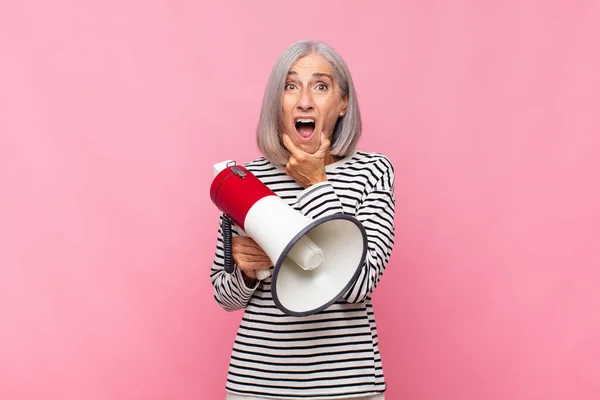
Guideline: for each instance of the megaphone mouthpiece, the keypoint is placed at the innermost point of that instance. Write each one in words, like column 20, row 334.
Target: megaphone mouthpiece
column 306, row 254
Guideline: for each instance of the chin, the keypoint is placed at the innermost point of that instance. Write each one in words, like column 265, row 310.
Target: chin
column 308, row 147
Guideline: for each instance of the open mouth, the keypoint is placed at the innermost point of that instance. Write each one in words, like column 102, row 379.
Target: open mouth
column 305, row 127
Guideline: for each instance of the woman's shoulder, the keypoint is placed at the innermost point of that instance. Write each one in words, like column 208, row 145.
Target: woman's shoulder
column 372, row 160
column 258, row 165
column 375, row 167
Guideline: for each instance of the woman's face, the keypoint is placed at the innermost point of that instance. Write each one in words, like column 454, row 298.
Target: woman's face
column 312, row 102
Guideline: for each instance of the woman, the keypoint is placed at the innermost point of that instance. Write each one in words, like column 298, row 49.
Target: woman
column 308, row 132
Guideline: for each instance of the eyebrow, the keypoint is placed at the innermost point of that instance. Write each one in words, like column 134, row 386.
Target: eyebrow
column 315, row 74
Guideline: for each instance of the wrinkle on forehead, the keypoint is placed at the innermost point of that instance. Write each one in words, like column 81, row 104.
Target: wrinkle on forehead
column 314, row 75
column 314, row 62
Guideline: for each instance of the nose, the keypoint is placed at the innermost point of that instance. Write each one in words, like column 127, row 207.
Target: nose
column 305, row 102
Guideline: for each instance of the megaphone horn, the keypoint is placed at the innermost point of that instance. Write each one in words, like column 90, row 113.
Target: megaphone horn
column 315, row 261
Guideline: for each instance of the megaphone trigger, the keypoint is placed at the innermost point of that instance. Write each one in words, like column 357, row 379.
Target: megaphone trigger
column 262, row 274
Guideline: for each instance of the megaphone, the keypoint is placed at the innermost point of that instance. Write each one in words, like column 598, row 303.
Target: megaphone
column 315, row 262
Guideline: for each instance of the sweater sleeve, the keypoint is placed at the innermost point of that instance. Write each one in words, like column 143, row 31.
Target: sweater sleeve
column 230, row 290
column 376, row 213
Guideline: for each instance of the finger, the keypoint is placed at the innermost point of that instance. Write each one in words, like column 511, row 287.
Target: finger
column 291, row 165
column 245, row 241
column 287, row 142
column 253, row 252
column 292, row 161
column 248, row 247
column 324, row 144
column 245, row 245
column 241, row 256
column 250, row 273
column 253, row 266
column 244, row 257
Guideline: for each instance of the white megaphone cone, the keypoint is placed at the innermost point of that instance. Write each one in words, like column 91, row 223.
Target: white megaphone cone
column 315, row 261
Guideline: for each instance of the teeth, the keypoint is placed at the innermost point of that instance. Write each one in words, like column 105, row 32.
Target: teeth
column 306, row 120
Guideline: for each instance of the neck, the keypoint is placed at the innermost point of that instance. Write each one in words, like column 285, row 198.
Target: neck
column 330, row 159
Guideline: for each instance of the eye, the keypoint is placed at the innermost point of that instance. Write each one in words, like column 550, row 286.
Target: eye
column 322, row 87
column 290, row 86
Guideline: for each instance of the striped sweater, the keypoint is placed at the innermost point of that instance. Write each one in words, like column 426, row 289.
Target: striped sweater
column 333, row 354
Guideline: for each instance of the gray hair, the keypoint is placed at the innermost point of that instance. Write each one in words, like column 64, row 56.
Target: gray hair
column 347, row 129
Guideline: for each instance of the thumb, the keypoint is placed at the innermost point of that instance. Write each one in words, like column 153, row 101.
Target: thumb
column 289, row 145
column 324, row 144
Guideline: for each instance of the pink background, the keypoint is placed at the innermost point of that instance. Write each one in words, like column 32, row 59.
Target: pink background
column 112, row 113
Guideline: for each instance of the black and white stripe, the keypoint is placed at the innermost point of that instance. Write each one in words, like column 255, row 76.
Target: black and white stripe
column 333, row 354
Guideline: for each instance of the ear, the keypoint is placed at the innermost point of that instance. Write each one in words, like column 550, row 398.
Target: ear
column 344, row 105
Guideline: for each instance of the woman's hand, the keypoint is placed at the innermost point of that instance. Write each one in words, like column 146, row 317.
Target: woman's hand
column 248, row 256
column 307, row 169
